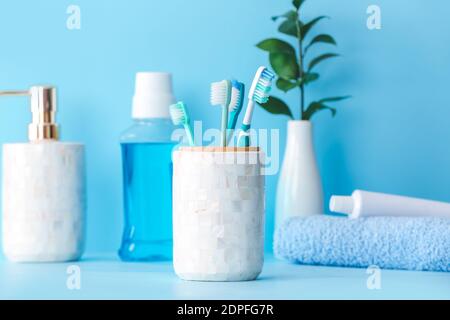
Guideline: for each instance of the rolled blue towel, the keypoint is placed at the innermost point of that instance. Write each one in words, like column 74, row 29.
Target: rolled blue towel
column 388, row 242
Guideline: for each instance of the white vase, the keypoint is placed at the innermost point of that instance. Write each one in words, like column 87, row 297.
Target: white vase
column 299, row 191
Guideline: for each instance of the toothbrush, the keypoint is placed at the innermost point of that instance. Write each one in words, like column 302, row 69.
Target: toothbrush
column 221, row 96
column 259, row 93
column 235, row 107
column 179, row 115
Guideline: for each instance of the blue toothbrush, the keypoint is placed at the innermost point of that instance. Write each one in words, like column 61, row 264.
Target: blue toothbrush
column 237, row 101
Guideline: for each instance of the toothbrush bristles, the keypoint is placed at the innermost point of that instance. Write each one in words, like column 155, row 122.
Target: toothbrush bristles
column 220, row 93
column 263, row 87
column 236, row 98
column 268, row 74
column 178, row 113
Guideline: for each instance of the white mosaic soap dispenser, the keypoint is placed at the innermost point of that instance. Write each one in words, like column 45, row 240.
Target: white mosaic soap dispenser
column 43, row 189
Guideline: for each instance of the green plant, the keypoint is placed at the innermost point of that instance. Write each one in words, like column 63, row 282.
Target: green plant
column 290, row 64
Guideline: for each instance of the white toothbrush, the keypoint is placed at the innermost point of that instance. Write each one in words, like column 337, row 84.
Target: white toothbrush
column 221, row 96
column 259, row 93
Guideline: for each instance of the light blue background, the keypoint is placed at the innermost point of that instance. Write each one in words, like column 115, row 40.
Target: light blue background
column 392, row 136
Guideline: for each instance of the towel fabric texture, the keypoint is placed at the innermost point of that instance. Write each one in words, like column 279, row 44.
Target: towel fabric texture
column 421, row 244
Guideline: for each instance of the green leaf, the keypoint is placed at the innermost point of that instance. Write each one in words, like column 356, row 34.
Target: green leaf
column 321, row 38
column 290, row 15
column 284, row 64
column 276, row 45
column 315, row 107
column 321, row 58
column 277, row 106
column 285, row 85
column 297, row 3
column 288, row 27
column 307, row 27
column 334, row 99
column 309, row 77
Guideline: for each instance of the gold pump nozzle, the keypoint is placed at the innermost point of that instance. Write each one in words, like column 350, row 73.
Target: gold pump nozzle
column 43, row 108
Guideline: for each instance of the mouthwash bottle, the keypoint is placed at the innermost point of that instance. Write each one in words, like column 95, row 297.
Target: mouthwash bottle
column 147, row 171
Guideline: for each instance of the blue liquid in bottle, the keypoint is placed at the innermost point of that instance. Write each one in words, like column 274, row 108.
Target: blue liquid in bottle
column 147, row 183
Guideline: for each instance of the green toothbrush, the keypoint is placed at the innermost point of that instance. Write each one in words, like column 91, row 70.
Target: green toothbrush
column 179, row 115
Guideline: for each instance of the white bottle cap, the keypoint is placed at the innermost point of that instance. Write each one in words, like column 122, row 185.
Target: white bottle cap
column 153, row 95
column 341, row 204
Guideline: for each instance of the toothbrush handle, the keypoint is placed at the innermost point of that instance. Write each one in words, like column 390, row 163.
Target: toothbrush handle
column 189, row 134
column 232, row 120
column 224, row 126
column 244, row 136
column 229, row 135
column 249, row 113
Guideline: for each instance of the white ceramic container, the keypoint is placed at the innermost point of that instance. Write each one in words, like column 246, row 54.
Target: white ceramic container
column 218, row 213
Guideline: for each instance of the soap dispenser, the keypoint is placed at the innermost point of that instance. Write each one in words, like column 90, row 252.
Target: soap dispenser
column 44, row 193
